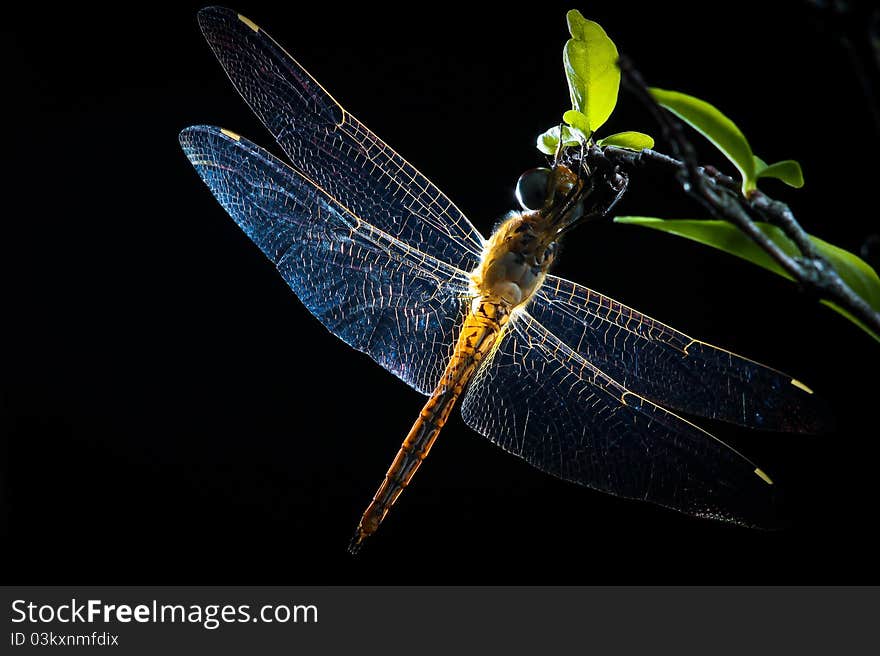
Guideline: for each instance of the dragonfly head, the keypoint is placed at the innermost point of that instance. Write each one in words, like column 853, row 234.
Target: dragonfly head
column 563, row 196
column 555, row 198
column 524, row 246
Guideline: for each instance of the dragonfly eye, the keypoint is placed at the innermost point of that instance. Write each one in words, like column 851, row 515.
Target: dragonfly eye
column 531, row 188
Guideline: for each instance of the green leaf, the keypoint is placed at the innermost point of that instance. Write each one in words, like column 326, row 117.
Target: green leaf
column 631, row 140
column 861, row 324
column 716, row 127
column 549, row 140
column 577, row 120
column 788, row 170
column 724, row 236
column 590, row 60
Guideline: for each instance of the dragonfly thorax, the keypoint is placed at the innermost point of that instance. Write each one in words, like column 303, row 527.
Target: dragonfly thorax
column 515, row 260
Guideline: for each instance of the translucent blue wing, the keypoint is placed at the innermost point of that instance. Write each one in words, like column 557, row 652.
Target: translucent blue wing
column 334, row 149
column 380, row 256
column 540, row 400
column 380, row 295
column 670, row 368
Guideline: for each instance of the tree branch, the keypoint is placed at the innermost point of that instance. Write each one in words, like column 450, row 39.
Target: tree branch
column 723, row 199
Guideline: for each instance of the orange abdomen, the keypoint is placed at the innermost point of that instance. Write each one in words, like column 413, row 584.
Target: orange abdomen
column 480, row 332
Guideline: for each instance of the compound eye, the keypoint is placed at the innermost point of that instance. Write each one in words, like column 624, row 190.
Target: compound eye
column 531, row 188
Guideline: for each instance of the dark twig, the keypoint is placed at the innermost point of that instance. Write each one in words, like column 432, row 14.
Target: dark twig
column 722, row 197
column 721, row 202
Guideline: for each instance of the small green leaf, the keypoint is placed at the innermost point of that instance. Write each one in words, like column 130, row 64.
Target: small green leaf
column 724, row 236
column 788, row 170
column 549, row 140
column 716, row 127
column 631, row 140
column 577, row 120
column 590, row 60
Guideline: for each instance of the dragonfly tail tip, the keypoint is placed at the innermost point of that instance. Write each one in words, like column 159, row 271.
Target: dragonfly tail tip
column 354, row 547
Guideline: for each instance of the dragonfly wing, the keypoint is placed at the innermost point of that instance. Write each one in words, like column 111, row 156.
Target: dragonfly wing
column 539, row 399
column 334, row 149
column 399, row 305
column 670, row 368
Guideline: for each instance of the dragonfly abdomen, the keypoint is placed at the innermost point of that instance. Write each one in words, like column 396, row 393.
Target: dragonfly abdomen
column 480, row 331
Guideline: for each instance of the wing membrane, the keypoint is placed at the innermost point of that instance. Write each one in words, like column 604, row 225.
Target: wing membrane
column 539, row 399
column 379, row 255
column 333, row 148
column 392, row 301
column 670, row 368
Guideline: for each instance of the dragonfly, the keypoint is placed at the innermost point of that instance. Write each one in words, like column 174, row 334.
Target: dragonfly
column 577, row 384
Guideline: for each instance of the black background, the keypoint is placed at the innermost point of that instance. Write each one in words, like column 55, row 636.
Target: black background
column 172, row 414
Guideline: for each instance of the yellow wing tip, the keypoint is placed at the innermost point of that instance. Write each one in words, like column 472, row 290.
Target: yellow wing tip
column 230, row 134
column 247, row 21
column 763, row 476
column 801, row 386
